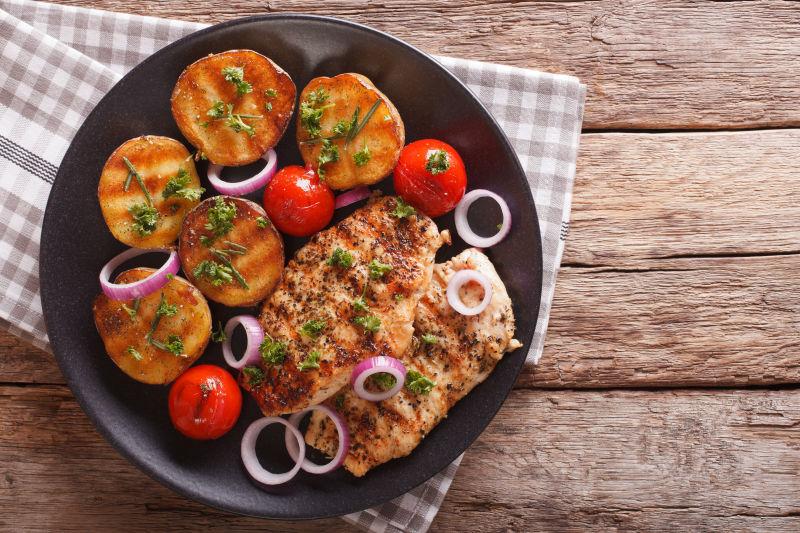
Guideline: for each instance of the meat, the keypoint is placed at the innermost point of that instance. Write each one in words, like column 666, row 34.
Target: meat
column 465, row 351
column 311, row 316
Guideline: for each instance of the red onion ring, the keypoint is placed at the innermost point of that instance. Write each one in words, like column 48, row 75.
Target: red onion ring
column 255, row 336
column 143, row 287
column 341, row 452
column 454, row 286
column 462, row 224
column 239, row 188
column 250, row 459
column 352, row 196
column 377, row 365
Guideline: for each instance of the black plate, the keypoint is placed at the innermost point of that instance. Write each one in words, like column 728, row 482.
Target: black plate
column 76, row 244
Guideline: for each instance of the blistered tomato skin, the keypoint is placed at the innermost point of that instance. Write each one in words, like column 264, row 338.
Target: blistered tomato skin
column 298, row 202
column 205, row 402
column 434, row 193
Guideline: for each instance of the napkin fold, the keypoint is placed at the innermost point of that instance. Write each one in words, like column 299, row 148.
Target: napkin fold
column 57, row 62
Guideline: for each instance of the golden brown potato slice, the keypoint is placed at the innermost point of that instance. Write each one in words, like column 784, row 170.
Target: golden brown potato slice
column 369, row 156
column 124, row 327
column 270, row 95
column 158, row 161
column 238, row 263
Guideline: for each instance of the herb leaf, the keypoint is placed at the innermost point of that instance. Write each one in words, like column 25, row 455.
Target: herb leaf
column 222, row 255
column 313, row 328
column 417, row 383
column 403, row 210
column 272, row 352
column 145, row 218
column 233, row 120
column 311, row 110
column 377, row 269
column 177, row 186
column 362, row 157
column 438, row 162
column 384, row 380
column 173, row 345
column 428, row 338
column 133, row 352
column 262, row 222
column 218, row 335
column 220, row 217
column 139, row 180
column 216, row 273
column 132, row 311
column 218, row 110
column 255, row 376
column 310, row 362
column 340, row 258
column 360, row 304
column 370, row 323
column 328, row 154
column 235, row 75
column 270, row 93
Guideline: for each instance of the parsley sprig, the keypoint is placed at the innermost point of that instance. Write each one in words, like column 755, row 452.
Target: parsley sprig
column 222, row 111
column 362, row 157
column 311, row 110
column 328, row 154
column 220, row 217
column 377, row 269
column 177, row 186
column 313, row 328
column 370, row 323
column 340, row 258
column 417, row 383
column 174, row 345
column 255, row 376
column 235, row 75
column 402, row 209
column 132, row 311
column 272, row 352
column 218, row 335
column 217, row 274
column 145, row 218
column 310, row 362
column 438, row 162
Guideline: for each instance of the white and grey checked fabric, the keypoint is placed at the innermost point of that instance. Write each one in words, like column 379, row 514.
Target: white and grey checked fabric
column 57, row 62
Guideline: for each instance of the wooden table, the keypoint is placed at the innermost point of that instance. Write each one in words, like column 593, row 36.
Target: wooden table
column 666, row 396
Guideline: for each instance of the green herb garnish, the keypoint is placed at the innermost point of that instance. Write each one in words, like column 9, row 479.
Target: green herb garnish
column 354, row 131
column 427, row 338
column 177, row 186
column 272, row 352
column 235, row 75
column 262, row 222
column 268, row 107
column 270, row 93
column 360, row 303
column 235, row 121
column 173, row 345
column 145, row 218
column 417, row 383
column 310, row 362
column 133, row 352
column 220, row 217
column 216, row 273
column 384, row 380
column 218, row 110
column 223, row 256
column 218, row 335
column 398, row 297
column 132, row 171
column 313, row 328
column 370, row 323
column 403, row 210
column 438, row 162
column 340, row 258
column 311, row 110
column 328, row 154
column 362, row 157
column 132, row 311
column 377, row 269
column 164, row 309
column 255, row 376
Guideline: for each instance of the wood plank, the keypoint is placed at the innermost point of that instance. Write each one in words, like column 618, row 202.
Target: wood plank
column 675, row 64
column 709, row 322
column 551, row 461
column 641, row 196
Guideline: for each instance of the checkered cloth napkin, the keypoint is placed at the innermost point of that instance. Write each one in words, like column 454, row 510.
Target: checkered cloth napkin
column 57, row 62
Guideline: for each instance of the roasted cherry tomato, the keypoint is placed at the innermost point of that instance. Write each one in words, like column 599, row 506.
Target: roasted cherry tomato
column 205, row 402
column 430, row 176
column 298, row 202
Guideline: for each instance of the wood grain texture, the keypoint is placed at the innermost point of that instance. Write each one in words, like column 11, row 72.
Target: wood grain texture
column 675, row 64
column 551, row 461
column 687, row 322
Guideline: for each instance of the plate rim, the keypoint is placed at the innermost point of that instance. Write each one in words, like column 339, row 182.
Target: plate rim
column 150, row 470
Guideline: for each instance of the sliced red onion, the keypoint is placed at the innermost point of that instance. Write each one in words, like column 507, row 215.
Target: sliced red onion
column 377, row 365
column 250, row 459
column 255, row 336
column 240, row 188
column 462, row 224
column 341, row 452
column 143, row 287
column 458, row 280
column 352, row 196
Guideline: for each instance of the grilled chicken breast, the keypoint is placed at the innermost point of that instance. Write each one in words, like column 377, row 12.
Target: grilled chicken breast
column 126, row 329
column 260, row 95
column 465, row 351
column 312, row 310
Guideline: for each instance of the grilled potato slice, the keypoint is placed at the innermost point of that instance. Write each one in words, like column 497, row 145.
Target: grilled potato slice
column 271, row 96
column 157, row 160
column 368, row 157
column 252, row 246
column 125, row 332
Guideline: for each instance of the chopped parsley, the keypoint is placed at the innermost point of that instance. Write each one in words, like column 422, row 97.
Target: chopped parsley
column 135, row 173
column 398, row 297
column 341, row 128
column 428, row 338
column 311, row 110
column 145, row 219
column 360, row 303
column 417, row 383
column 313, row 328
column 174, row 345
column 165, row 308
column 132, row 311
column 262, row 222
column 133, row 352
column 362, row 157
column 268, row 107
column 270, row 93
column 438, row 162
column 377, row 269
column 340, row 258
column 272, row 352
column 255, row 376
column 328, row 154
column 384, row 380
column 235, row 121
column 310, row 362
column 224, row 257
column 216, row 273
column 370, row 323
column 217, row 111
column 177, row 186
column 403, row 210
column 235, row 75
column 218, row 335
column 220, row 217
